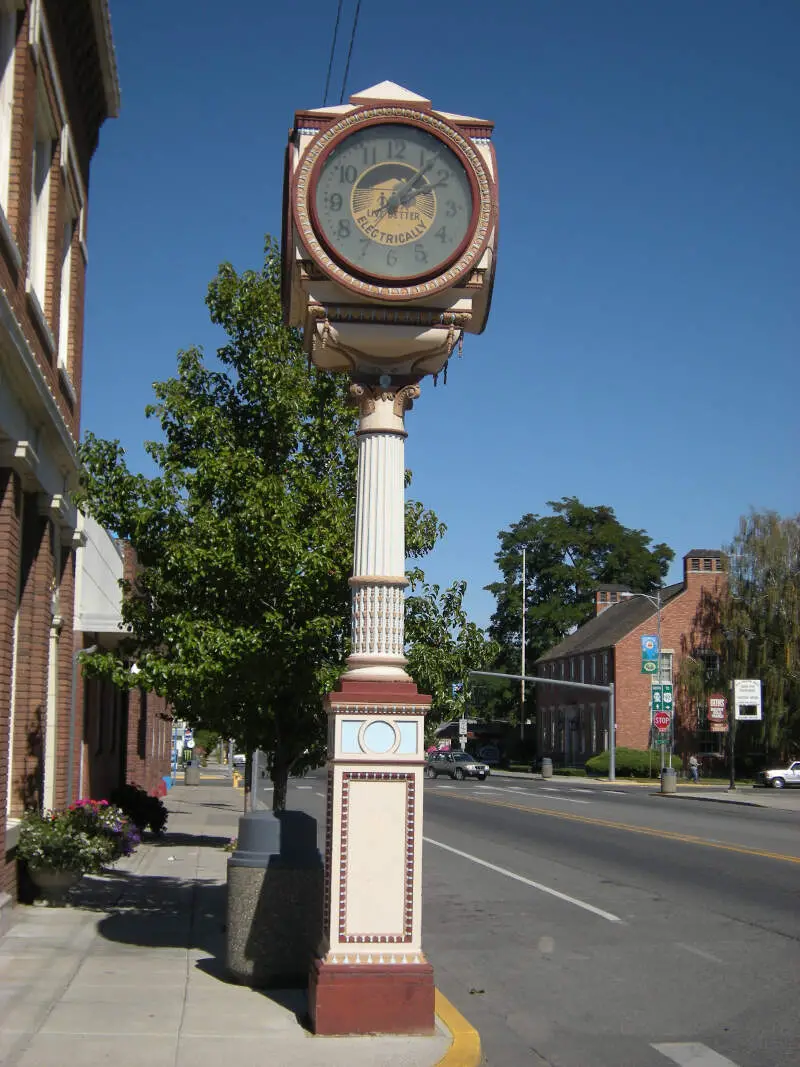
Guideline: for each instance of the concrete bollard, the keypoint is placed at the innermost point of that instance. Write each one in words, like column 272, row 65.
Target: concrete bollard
column 669, row 780
column 275, row 895
column 547, row 768
column 191, row 773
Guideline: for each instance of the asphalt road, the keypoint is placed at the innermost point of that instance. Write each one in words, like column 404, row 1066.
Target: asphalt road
column 580, row 925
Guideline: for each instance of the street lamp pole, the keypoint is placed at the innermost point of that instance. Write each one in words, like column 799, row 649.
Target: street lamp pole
column 656, row 602
column 522, row 672
column 730, row 636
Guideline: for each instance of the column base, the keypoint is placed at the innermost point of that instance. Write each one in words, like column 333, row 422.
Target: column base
column 371, row 998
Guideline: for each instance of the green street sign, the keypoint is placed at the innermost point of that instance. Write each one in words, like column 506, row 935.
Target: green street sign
column 649, row 666
column 661, row 739
column 667, row 696
column 656, row 698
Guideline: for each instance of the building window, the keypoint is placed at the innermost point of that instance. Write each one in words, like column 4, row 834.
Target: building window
column 40, row 202
column 583, row 668
column 593, row 722
column 594, row 668
column 708, row 564
column 694, row 564
column 64, row 318
column 8, row 40
column 572, row 670
column 562, row 668
column 605, row 667
column 603, row 598
column 665, row 672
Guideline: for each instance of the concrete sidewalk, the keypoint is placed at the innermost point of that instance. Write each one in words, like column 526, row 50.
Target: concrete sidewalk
column 131, row 972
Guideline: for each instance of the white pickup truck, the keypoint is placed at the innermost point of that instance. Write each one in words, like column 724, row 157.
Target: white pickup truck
column 780, row 779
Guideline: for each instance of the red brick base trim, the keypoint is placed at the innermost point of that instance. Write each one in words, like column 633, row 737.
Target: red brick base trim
column 371, row 998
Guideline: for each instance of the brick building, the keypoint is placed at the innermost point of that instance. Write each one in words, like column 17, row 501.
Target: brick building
column 58, row 85
column 572, row 724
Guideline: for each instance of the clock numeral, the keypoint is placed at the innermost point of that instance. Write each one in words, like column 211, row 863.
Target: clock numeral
column 442, row 234
column 451, row 209
column 396, row 149
column 420, row 255
column 335, row 201
column 368, row 154
column 441, row 176
column 391, row 257
column 364, row 242
column 343, row 229
column 347, row 174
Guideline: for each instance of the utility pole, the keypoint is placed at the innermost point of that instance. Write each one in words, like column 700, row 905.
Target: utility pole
column 522, row 672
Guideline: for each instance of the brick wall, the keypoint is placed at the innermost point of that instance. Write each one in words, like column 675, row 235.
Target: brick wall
column 10, row 539
column 678, row 623
column 148, row 751
column 35, row 616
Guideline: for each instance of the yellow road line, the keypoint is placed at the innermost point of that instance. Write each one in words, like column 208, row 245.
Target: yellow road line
column 465, row 1050
column 669, row 835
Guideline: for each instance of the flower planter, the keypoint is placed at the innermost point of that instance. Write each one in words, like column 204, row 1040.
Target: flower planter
column 54, row 883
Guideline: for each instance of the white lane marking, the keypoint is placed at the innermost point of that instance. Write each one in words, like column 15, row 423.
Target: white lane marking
column 526, row 881
column 561, row 800
column 550, row 789
column 617, row 792
column 699, row 952
column 515, row 789
column 581, row 790
column 304, row 787
column 317, row 792
column 692, row 1054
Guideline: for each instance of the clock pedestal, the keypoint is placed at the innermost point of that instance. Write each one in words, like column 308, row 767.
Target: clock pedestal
column 371, row 975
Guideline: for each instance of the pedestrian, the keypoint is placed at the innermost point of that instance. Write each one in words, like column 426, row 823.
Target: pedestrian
column 694, row 768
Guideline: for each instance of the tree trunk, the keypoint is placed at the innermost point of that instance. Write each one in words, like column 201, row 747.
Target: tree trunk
column 280, row 780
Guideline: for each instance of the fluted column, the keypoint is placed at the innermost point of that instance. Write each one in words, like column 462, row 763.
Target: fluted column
column 379, row 553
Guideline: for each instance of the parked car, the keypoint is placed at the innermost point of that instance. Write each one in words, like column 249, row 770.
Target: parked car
column 239, row 759
column 456, row 765
column 779, row 779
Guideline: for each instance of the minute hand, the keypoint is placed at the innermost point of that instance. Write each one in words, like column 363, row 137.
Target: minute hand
column 397, row 197
column 408, row 195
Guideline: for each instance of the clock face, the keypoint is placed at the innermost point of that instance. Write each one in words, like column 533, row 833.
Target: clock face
column 393, row 201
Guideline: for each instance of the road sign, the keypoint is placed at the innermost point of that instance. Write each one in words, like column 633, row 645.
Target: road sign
column 747, row 698
column 462, row 729
column 649, row 653
column 666, row 696
column 661, row 720
column 656, row 698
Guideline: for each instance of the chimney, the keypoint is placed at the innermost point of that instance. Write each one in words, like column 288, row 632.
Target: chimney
column 703, row 565
column 606, row 596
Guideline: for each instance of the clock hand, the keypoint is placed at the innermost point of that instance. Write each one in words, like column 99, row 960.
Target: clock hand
column 396, row 199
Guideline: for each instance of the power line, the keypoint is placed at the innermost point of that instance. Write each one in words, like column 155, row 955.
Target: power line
column 350, row 49
column 333, row 50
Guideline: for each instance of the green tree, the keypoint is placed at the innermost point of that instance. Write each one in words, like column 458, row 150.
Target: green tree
column 568, row 554
column 443, row 646
column 760, row 621
column 239, row 613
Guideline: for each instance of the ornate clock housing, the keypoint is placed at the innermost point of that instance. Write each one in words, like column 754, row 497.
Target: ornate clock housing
column 394, row 203
column 390, row 231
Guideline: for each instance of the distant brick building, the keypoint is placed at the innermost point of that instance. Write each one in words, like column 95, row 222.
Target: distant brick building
column 572, row 724
column 58, row 85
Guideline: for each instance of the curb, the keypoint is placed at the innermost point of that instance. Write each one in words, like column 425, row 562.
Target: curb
column 465, row 1051
column 714, row 800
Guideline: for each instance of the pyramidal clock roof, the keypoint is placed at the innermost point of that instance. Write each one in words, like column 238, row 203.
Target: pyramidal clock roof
column 383, row 92
column 388, row 90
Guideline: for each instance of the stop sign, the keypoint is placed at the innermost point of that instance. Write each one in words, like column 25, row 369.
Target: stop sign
column 661, row 720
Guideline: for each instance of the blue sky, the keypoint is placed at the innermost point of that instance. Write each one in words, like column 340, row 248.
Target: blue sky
column 642, row 350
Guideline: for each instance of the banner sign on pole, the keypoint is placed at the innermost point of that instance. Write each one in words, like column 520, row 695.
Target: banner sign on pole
column 649, row 653
column 747, row 699
column 717, row 713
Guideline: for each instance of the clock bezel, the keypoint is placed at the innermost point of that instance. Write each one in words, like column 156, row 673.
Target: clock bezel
column 386, row 287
